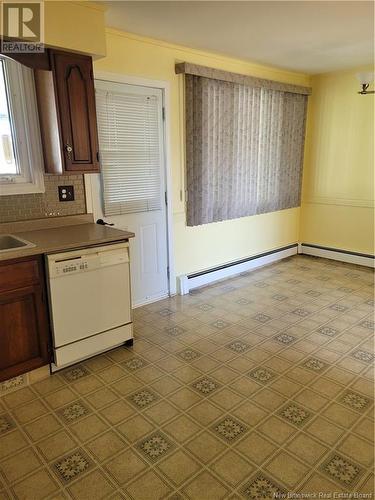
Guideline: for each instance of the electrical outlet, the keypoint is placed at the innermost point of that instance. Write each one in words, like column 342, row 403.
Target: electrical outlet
column 66, row 193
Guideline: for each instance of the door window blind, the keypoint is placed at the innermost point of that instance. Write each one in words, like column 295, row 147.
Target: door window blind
column 129, row 140
column 244, row 149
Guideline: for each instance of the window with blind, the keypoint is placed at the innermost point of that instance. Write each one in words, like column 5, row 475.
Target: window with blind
column 130, row 153
column 244, row 146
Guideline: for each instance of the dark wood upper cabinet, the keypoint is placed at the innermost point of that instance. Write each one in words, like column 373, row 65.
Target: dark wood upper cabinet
column 65, row 96
column 67, row 114
column 76, row 99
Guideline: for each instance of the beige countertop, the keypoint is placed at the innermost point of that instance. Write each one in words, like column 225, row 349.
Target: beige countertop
column 56, row 239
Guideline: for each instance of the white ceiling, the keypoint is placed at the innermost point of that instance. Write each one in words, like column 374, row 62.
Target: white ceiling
column 307, row 36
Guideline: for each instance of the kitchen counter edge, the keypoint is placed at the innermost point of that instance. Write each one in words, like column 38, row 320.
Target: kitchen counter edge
column 60, row 239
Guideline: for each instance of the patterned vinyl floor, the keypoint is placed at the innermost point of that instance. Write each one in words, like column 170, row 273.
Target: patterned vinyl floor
column 251, row 388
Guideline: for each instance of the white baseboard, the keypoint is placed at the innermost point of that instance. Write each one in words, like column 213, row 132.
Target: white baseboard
column 189, row 282
column 340, row 255
column 155, row 298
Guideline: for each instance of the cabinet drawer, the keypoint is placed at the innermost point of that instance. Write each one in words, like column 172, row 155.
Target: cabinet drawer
column 18, row 274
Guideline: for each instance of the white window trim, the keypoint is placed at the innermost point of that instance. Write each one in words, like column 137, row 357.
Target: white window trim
column 28, row 145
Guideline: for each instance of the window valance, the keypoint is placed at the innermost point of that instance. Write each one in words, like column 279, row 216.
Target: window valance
column 250, row 81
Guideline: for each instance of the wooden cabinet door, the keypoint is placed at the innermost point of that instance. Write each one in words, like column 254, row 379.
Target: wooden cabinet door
column 76, row 108
column 24, row 326
column 24, row 332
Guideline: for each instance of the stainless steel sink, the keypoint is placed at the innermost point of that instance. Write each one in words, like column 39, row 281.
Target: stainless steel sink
column 10, row 242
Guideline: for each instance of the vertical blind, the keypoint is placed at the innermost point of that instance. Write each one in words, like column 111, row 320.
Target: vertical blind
column 244, row 149
column 129, row 140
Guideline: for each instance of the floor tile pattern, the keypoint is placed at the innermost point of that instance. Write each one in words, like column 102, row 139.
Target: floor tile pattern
column 250, row 388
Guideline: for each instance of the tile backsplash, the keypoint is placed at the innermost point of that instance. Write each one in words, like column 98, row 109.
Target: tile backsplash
column 40, row 205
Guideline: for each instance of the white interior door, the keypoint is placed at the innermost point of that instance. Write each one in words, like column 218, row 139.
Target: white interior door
column 130, row 191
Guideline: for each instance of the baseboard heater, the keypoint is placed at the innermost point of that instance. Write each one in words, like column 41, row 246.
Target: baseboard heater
column 360, row 259
column 196, row 280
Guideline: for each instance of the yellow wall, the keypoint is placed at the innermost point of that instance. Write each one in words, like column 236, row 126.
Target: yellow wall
column 205, row 246
column 338, row 183
column 76, row 26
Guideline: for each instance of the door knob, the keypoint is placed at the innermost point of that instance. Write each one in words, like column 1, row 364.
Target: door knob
column 101, row 222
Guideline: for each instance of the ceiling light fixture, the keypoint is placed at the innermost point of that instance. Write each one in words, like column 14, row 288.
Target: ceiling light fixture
column 365, row 79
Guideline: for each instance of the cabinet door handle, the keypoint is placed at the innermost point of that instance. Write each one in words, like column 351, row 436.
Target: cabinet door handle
column 68, row 149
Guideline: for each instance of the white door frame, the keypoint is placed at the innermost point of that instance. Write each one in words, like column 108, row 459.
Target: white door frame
column 165, row 88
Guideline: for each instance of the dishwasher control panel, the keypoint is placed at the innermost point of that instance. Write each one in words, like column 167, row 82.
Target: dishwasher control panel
column 69, row 263
column 71, row 268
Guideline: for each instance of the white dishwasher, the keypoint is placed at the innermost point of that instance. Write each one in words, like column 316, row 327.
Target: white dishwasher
column 90, row 302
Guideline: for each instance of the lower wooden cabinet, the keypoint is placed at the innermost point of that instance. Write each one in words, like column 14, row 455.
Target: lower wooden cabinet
column 24, row 326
